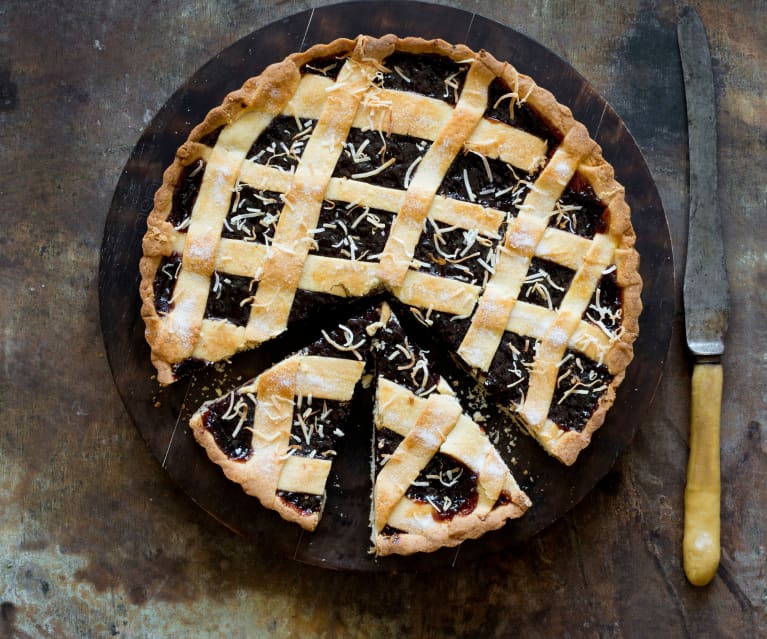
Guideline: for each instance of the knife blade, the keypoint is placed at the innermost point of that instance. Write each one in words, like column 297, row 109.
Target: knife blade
column 706, row 306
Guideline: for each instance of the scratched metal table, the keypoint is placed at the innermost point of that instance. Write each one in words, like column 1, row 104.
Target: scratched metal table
column 95, row 540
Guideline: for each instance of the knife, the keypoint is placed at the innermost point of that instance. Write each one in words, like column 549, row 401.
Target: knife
column 706, row 307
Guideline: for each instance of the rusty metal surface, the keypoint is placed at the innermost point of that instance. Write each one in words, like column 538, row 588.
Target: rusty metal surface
column 705, row 289
column 94, row 539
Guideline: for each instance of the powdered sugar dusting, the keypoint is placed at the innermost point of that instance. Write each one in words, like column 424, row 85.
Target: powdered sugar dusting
column 558, row 337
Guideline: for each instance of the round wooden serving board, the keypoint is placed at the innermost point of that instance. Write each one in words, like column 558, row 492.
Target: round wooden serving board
column 161, row 415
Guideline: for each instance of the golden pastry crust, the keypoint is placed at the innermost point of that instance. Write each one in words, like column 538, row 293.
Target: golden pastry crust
column 286, row 266
column 451, row 533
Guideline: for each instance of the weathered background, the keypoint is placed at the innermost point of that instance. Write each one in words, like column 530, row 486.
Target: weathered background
column 94, row 539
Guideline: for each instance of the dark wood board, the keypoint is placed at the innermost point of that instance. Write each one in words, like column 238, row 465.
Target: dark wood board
column 341, row 541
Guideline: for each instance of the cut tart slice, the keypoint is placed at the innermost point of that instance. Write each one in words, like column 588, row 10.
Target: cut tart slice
column 430, row 172
column 437, row 478
column 278, row 434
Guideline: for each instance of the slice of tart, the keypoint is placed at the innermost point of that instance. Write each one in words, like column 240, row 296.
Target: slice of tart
column 437, row 478
column 278, row 434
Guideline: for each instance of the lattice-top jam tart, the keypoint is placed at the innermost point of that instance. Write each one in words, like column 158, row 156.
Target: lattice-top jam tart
column 418, row 170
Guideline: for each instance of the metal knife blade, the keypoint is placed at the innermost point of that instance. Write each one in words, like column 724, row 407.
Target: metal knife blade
column 706, row 296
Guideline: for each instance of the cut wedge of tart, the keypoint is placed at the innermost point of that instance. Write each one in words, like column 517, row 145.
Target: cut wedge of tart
column 438, row 480
column 278, row 434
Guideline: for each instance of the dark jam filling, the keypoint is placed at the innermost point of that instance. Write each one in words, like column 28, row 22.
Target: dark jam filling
column 352, row 333
column 165, row 281
column 580, row 211
column 402, row 362
column 446, row 484
column 328, row 67
column 306, row 303
column 449, row 486
column 356, row 160
column 503, row 500
column 386, row 443
column 580, row 384
column 546, row 283
column 185, row 194
column 230, row 420
column 315, row 428
column 509, row 373
column 211, row 138
column 432, row 75
column 510, row 111
column 303, row 502
column 253, row 215
column 229, row 297
column 188, row 366
column 606, row 304
column 351, row 232
column 451, row 330
column 503, row 188
column 281, row 143
column 455, row 253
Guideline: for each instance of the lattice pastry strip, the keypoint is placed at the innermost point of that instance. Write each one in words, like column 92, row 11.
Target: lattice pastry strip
column 428, row 426
column 303, row 201
column 426, row 434
column 421, row 117
column 181, row 329
column 523, row 235
column 565, row 445
column 452, row 212
column 406, row 229
column 357, row 278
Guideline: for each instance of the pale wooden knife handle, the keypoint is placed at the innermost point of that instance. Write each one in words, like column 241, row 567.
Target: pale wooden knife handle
column 702, row 496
